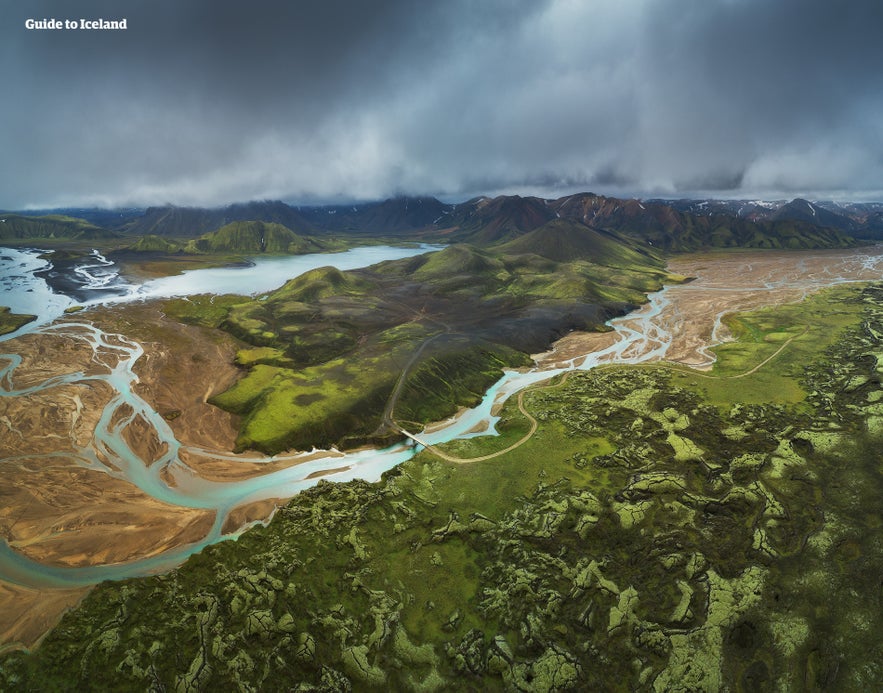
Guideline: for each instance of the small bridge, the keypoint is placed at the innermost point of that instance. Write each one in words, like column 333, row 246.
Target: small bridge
column 413, row 437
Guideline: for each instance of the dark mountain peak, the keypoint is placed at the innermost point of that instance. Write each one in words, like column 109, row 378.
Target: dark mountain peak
column 191, row 222
column 678, row 225
column 273, row 211
column 484, row 221
column 804, row 210
column 393, row 215
column 403, row 203
column 510, row 203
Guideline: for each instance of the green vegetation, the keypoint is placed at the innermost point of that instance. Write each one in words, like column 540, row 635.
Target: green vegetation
column 251, row 237
column 10, row 322
column 563, row 241
column 236, row 239
column 191, row 222
column 155, row 244
column 657, row 224
column 645, row 538
column 788, row 335
column 334, row 353
column 15, row 227
column 206, row 310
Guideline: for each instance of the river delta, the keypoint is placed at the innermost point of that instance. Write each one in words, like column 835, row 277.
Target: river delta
column 116, row 466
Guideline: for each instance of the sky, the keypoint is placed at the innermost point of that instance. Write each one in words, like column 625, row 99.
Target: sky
column 208, row 102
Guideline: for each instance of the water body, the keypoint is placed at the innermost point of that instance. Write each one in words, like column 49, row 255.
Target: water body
column 95, row 280
column 648, row 334
column 24, row 291
column 268, row 273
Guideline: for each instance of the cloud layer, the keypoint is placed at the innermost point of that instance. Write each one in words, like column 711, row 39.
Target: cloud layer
column 208, row 102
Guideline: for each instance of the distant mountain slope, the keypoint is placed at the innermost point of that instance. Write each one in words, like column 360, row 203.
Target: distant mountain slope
column 20, row 227
column 863, row 220
column 803, row 210
column 176, row 222
column 154, row 244
column 670, row 225
column 484, row 221
column 190, row 222
column 254, row 237
column 564, row 240
column 392, row 216
column 664, row 226
column 105, row 218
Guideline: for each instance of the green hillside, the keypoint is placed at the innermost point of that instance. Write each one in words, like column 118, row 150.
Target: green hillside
column 673, row 230
column 563, row 240
column 10, row 322
column 252, row 237
column 191, row 222
column 486, row 221
column 154, row 244
column 457, row 260
column 329, row 347
column 52, row 227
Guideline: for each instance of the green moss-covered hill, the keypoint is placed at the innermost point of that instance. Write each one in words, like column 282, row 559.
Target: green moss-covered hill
column 335, row 356
column 252, row 237
column 663, row 530
column 17, row 227
column 191, row 222
column 155, row 244
column 564, row 240
column 10, row 322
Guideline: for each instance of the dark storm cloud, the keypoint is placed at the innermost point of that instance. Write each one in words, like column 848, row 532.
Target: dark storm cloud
column 204, row 102
column 773, row 94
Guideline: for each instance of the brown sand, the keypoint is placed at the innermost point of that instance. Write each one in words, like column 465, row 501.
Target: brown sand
column 55, row 511
column 573, row 346
column 182, row 366
column 26, row 615
column 251, row 512
column 58, row 513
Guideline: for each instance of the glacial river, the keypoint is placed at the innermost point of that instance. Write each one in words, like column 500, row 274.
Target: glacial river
column 678, row 315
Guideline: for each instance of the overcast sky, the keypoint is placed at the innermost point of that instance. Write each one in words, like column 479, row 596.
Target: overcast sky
column 207, row 102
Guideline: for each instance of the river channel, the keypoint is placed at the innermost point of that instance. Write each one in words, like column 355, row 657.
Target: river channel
column 678, row 323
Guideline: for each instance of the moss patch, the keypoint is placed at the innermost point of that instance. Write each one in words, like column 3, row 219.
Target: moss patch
column 10, row 322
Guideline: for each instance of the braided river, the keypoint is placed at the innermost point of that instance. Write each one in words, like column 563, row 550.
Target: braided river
column 679, row 323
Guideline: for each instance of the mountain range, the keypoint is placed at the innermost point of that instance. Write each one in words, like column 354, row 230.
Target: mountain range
column 670, row 225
